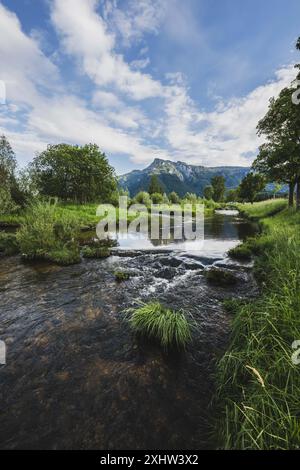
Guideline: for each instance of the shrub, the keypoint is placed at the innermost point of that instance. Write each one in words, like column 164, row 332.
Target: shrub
column 96, row 252
column 8, row 244
column 220, row 277
column 157, row 198
column 121, row 276
column 241, row 252
column 155, row 321
column 43, row 235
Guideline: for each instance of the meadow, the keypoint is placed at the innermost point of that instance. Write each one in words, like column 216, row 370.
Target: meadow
column 259, row 383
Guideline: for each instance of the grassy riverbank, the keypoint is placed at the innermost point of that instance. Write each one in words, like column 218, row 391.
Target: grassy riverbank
column 85, row 214
column 259, row 392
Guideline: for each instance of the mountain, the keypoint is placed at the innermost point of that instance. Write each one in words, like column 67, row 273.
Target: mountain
column 180, row 177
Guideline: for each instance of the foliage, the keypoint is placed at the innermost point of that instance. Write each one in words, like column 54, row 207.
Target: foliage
column 208, row 192
column 74, row 173
column 143, row 198
column 241, row 252
column 279, row 158
column 232, row 195
column 218, row 185
column 155, row 321
column 155, row 185
column 259, row 384
column 44, row 235
column 174, row 198
column 8, row 244
column 220, row 277
column 250, row 186
column 157, row 198
column 121, row 276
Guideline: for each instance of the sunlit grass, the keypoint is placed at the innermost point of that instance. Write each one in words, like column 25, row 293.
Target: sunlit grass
column 153, row 320
column 259, row 392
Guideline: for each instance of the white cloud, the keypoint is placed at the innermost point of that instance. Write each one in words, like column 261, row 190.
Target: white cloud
column 41, row 108
column 132, row 19
column 85, row 37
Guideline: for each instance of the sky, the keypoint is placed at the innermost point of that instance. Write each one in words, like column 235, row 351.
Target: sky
column 183, row 80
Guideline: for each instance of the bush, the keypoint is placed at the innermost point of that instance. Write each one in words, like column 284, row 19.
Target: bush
column 157, row 198
column 43, row 235
column 241, row 252
column 168, row 327
column 8, row 244
column 121, row 276
column 96, row 252
column 220, row 277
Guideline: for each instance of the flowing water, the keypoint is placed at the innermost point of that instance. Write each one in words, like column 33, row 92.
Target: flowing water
column 76, row 377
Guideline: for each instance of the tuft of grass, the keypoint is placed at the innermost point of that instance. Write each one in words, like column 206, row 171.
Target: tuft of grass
column 96, row 252
column 121, row 276
column 46, row 236
column 259, row 385
column 8, row 244
column 220, row 277
column 170, row 328
column 241, row 252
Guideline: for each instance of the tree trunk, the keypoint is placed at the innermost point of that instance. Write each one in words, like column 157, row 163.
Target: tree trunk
column 298, row 194
column 291, row 193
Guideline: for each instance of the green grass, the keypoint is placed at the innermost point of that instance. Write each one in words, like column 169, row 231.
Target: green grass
column 121, row 276
column 8, row 244
column 262, row 209
column 171, row 329
column 96, row 252
column 259, row 386
column 46, row 236
column 220, row 277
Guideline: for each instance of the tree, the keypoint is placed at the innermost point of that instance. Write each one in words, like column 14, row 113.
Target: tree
column 10, row 195
column 157, row 198
column 81, row 174
column 218, row 185
column 281, row 126
column 143, row 198
column 250, row 186
column 208, row 192
column 155, row 186
column 232, row 195
column 174, row 198
column 277, row 163
column 8, row 162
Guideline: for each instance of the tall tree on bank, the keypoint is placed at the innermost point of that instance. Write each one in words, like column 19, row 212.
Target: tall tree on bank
column 276, row 163
column 218, row 185
column 80, row 174
column 280, row 157
column 155, row 186
column 250, row 186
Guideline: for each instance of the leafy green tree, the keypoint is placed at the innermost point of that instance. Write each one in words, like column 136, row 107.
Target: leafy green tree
column 8, row 162
column 281, row 126
column 232, row 195
column 157, row 198
column 143, row 198
column 81, row 174
column 11, row 195
column 218, row 185
column 208, row 192
column 250, row 186
column 174, row 198
column 155, row 186
column 277, row 163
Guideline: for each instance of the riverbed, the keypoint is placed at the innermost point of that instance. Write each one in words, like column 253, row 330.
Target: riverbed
column 76, row 377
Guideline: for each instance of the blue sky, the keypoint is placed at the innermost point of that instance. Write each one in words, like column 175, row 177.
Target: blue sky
column 181, row 80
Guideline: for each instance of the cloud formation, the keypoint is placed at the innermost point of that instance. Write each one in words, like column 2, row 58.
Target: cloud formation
column 126, row 111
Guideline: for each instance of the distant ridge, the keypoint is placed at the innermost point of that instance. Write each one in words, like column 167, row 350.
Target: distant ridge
column 180, row 177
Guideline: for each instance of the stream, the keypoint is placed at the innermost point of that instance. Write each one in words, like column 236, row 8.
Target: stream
column 77, row 378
